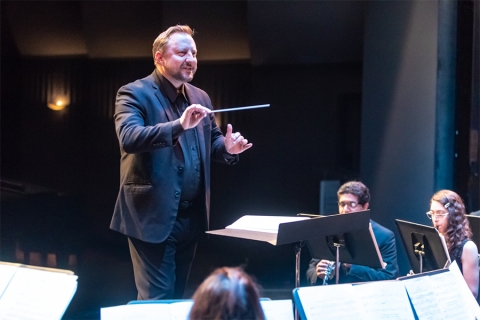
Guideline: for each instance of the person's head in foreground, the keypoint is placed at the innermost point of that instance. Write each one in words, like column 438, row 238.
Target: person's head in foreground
column 227, row 294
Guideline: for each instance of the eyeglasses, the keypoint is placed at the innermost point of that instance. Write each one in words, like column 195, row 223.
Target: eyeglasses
column 351, row 204
column 436, row 214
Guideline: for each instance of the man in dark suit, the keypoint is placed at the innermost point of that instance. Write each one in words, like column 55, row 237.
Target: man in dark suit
column 354, row 196
column 167, row 137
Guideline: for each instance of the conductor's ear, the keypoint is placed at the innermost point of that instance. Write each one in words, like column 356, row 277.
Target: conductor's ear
column 365, row 206
column 158, row 58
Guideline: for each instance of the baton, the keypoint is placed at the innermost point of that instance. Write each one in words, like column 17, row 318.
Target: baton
column 241, row 108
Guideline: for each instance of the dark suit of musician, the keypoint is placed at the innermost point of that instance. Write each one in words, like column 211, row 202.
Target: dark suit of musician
column 354, row 196
column 386, row 244
column 167, row 137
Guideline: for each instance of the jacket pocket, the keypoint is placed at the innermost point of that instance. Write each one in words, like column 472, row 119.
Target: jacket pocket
column 140, row 200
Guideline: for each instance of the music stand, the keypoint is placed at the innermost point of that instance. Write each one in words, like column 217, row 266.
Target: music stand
column 281, row 233
column 423, row 245
column 474, row 222
column 298, row 232
column 349, row 239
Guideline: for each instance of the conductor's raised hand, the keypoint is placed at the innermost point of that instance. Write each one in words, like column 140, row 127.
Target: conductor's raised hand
column 192, row 116
column 235, row 143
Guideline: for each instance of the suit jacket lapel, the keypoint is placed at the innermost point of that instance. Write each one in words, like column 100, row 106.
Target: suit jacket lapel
column 165, row 106
column 163, row 103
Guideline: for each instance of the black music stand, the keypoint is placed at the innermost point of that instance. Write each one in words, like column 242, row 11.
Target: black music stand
column 423, row 245
column 295, row 232
column 298, row 232
column 347, row 238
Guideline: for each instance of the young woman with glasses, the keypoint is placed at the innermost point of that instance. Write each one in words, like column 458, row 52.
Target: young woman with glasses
column 447, row 212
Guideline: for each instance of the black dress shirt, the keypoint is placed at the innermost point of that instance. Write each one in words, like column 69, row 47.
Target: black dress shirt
column 187, row 150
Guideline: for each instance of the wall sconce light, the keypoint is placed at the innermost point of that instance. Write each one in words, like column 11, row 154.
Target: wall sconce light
column 58, row 103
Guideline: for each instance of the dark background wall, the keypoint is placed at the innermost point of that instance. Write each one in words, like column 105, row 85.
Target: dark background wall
column 352, row 90
column 398, row 132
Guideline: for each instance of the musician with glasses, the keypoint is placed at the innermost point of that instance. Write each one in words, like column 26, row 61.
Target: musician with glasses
column 354, row 196
column 448, row 215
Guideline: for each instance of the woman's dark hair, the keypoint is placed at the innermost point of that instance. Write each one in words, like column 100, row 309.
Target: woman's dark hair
column 227, row 294
column 458, row 228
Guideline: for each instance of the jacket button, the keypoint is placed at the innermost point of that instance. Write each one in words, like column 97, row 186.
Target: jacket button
column 180, row 169
column 177, row 194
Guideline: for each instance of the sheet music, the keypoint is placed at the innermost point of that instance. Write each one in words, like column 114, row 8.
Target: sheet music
column 384, row 300
column 337, row 301
column 180, row 310
column 467, row 295
column 147, row 311
column 438, row 296
column 262, row 223
column 452, row 303
column 421, row 293
column 273, row 309
column 277, row 309
column 6, row 274
column 37, row 295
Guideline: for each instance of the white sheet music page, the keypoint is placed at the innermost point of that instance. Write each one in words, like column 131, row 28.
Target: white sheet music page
column 146, row 311
column 6, row 275
column 262, row 223
column 332, row 302
column 180, row 310
column 468, row 298
column 384, row 300
column 37, row 295
column 277, row 309
column 449, row 294
column 273, row 310
column 424, row 300
column 440, row 296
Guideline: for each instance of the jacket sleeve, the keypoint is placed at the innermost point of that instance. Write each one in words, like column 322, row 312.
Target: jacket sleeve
column 219, row 153
column 138, row 128
column 311, row 273
column 388, row 251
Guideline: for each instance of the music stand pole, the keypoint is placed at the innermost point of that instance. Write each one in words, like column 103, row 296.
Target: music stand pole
column 421, row 253
column 298, row 251
column 421, row 264
column 337, row 260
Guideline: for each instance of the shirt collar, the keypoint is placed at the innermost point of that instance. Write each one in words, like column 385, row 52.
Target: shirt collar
column 169, row 89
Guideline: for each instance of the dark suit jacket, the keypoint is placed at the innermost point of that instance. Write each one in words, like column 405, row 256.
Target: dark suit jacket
column 150, row 174
column 388, row 250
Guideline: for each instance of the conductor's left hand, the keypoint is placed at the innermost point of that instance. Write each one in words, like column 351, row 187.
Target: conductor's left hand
column 234, row 142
